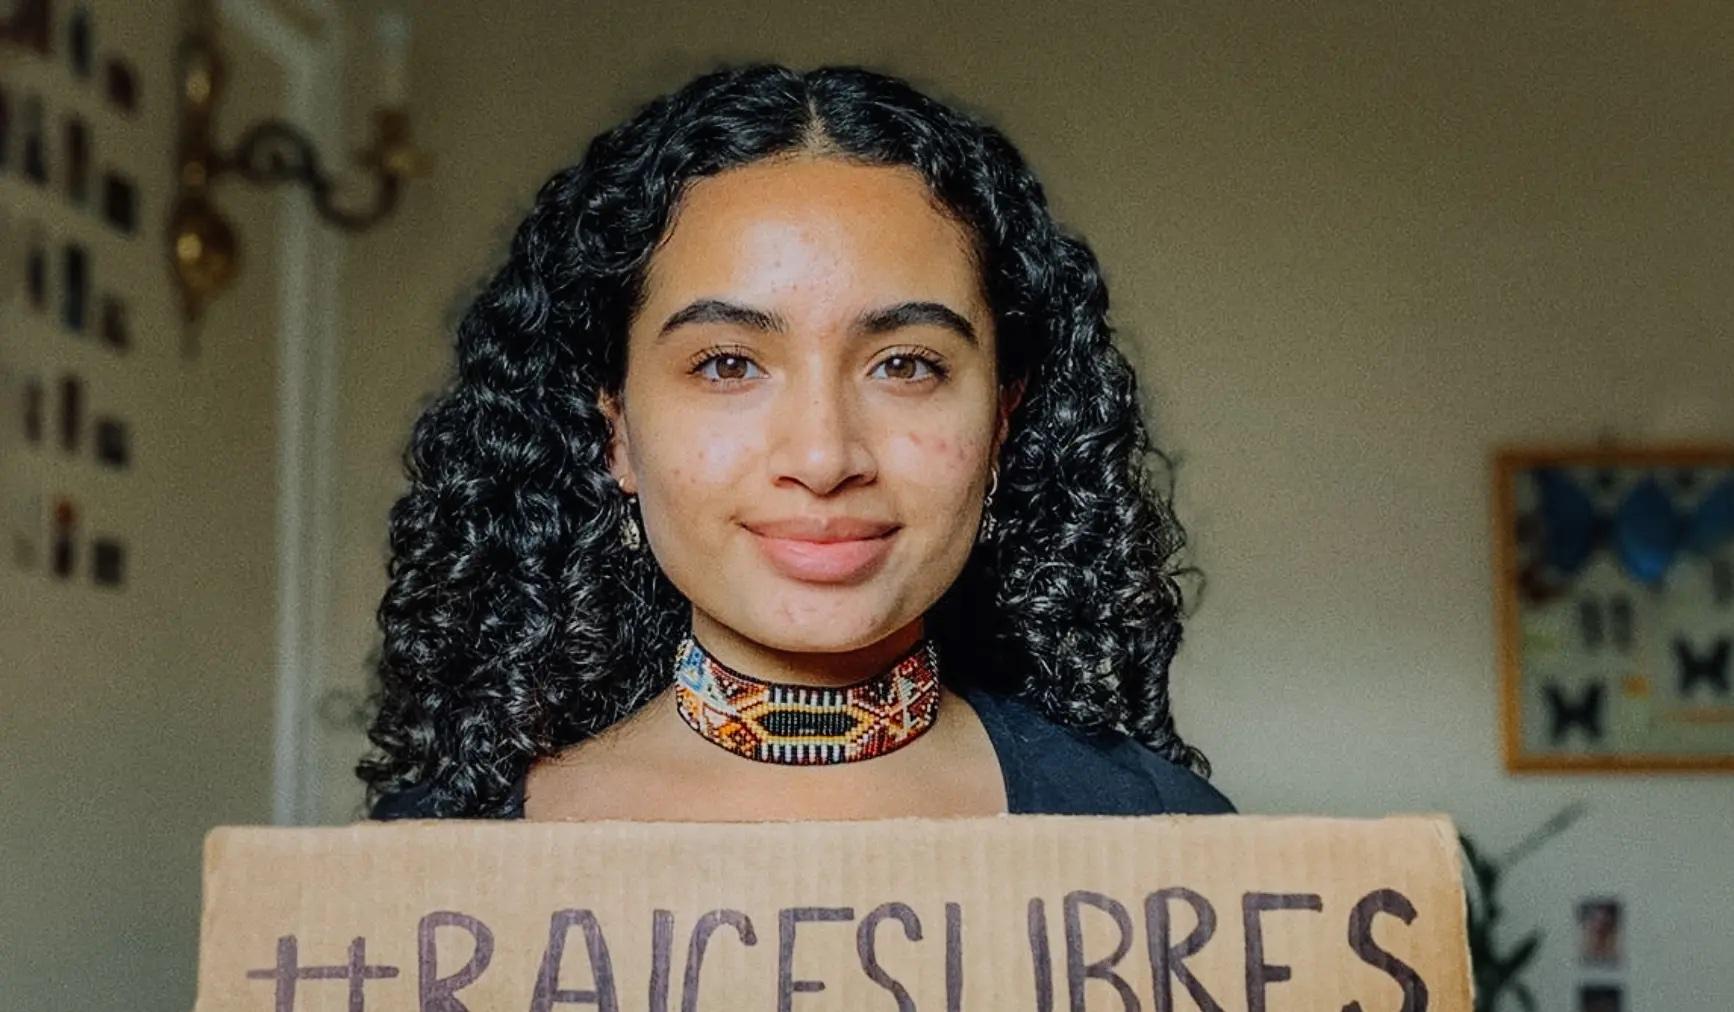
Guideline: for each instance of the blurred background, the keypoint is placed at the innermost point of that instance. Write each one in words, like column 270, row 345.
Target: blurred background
column 1352, row 249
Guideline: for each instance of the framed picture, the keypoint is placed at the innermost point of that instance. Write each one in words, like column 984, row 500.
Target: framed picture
column 1614, row 591
column 1598, row 923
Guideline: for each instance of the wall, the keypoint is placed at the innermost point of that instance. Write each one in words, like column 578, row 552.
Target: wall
column 1351, row 248
column 135, row 715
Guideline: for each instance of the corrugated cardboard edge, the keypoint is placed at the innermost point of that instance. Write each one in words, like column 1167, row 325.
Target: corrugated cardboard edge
column 1439, row 828
column 216, row 845
column 1446, row 836
column 1440, row 824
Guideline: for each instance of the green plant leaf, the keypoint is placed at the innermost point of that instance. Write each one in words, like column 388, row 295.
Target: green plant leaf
column 1485, row 873
column 1524, row 996
column 1514, row 961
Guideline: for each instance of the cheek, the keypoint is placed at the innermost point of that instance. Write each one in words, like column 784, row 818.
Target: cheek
column 688, row 461
column 943, row 464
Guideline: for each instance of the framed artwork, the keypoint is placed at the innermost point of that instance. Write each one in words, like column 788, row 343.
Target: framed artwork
column 1614, row 592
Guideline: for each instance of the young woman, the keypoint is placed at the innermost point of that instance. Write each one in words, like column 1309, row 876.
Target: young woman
column 789, row 472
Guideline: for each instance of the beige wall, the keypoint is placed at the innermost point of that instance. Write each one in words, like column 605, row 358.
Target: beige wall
column 132, row 717
column 1351, row 248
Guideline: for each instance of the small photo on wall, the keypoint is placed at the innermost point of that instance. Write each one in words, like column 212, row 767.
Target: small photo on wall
column 108, row 562
column 115, row 332
column 77, row 161
column 120, row 202
column 75, row 282
column 1599, row 922
column 1600, row 998
column 33, row 410
column 71, row 412
column 120, row 84
column 111, row 442
column 62, row 550
column 34, row 155
column 5, row 126
column 78, row 41
column 28, row 23
column 36, row 272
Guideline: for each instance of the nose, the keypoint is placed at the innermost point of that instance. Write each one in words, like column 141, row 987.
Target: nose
column 819, row 436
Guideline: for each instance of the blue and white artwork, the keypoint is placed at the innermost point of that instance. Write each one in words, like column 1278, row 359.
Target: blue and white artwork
column 1617, row 608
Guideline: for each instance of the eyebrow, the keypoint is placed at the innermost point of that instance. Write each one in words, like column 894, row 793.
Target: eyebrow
column 868, row 322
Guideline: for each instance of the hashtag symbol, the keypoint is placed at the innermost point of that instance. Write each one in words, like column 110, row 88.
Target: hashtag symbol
column 289, row 972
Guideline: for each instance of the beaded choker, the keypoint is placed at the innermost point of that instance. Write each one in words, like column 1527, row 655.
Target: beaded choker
column 806, row 725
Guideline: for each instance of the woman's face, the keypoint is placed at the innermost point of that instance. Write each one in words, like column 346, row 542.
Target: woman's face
column 810, row 409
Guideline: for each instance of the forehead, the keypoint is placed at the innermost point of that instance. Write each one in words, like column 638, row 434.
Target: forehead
column 814, row 227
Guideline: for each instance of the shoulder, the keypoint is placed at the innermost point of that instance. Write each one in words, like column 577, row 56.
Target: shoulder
column 413, row 802
column 1056, row 769
column 418, row 802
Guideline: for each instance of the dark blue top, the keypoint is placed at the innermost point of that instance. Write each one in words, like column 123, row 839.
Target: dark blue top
column 1049, row 769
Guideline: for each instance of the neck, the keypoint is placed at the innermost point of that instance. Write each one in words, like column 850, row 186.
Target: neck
column 798, row 667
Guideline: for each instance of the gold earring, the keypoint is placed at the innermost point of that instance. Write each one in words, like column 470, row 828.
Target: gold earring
column 987, row 525
column 630, row 535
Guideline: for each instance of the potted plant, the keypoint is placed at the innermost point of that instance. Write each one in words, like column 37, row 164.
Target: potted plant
column 1496, row 972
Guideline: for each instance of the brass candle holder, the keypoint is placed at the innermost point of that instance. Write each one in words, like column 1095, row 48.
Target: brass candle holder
column 202, row 245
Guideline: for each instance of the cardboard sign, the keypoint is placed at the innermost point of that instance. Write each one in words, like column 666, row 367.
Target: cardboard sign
column 1036, row 912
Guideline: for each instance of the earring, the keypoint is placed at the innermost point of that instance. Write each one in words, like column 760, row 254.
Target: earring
column 987, row 525
column 630, row 535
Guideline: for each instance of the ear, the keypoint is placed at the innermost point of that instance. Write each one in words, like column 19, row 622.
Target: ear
column 619, row 451
column 1011, row 396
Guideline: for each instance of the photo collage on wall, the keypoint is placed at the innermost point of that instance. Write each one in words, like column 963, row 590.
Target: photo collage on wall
column 1616, row 608
column 53, row 154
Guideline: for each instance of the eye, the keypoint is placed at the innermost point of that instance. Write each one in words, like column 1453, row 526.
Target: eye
column 905, row 361
column 729, row 364
column 732, row 366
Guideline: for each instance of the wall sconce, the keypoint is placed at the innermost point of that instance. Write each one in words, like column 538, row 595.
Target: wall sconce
column 201, row 242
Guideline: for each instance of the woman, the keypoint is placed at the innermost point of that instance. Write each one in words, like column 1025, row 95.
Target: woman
column 789, row 472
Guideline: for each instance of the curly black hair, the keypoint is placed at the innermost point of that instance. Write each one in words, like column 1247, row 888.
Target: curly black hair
column 516, row 623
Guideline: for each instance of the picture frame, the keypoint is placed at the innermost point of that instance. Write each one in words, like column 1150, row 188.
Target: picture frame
column 1614, row 601
column 1599, row 922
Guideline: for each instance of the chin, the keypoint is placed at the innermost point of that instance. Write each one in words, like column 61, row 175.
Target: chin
column 821, row 620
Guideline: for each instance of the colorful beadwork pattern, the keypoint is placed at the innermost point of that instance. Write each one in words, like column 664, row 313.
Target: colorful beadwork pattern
column 803, row 725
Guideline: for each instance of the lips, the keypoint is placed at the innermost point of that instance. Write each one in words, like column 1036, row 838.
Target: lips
column 821, row 529
column 836, row 550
